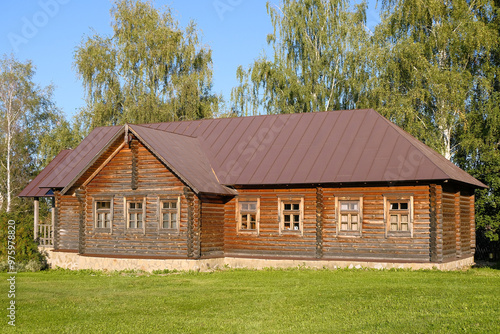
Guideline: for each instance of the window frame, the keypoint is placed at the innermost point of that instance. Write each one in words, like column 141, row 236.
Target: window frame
column 162, row 210
column 239, row 210
column 95, row 212
column 282, row 201
column 129, row 200
column 390, row 199
column 339, row 212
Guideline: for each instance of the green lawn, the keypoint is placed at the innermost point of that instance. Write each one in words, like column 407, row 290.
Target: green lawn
column 245, row 301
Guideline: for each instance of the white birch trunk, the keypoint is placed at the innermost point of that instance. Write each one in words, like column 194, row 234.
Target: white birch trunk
column 9, row 190
column 447, row 143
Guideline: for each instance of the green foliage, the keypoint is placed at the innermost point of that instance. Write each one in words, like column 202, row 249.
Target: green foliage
column 149, row 70
column 318, row 62
column 425, row 54
column 478, row 138
column 27, row 255
column 64, row 135
column 250, row 301
column 27, row 114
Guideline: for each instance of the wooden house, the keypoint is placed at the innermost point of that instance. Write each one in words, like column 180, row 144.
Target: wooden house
column 319, row 189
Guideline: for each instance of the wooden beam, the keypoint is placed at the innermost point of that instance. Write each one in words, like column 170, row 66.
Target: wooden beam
column 53, row 214
column 319, row 222
column 112, row 155
column 37, row 215
column 135, row 170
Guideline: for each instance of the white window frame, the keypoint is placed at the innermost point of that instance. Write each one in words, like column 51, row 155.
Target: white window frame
column 388, row 199
column 239, row 202
column 95, row 212
column 161, row 211
column 339, row 213
column 282, row 201
column 126, row 204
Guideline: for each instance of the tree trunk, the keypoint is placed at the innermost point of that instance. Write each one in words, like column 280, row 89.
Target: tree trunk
column 9, row 144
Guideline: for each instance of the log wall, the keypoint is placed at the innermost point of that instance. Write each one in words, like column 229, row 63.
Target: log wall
column 134, row 172
column 269, row 241
column 212, row 228
column 373, row 243
column 67, row 227
column 458, row 223
column 320, row 237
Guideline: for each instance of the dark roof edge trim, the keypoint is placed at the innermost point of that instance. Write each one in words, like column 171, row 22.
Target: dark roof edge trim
column 356, row 184
column 91, row 162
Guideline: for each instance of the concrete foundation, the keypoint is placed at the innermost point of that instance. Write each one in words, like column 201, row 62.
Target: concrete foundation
column 75, row 261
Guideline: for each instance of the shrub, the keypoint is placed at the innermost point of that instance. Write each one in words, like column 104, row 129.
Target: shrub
column 27, row 256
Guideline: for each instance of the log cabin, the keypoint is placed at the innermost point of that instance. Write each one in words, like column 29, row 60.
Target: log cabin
column 325, row 189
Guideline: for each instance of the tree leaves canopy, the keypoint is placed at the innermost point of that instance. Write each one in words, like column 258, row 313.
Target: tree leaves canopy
column 426, row 55
column 148, row 71
column 27, row 115
column 318, row 63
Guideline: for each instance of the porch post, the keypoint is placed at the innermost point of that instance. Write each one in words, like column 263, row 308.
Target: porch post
column 37, row 206
column 53, row 218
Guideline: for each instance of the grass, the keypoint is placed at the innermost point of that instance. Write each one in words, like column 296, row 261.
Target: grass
column 247, row 301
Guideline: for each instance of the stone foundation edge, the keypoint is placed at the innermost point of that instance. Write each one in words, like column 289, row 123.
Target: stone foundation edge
column 75, row 261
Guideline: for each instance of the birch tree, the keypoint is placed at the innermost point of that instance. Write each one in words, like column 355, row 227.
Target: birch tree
column 149, row 70
column 27, row 113
column 15, row 96
column 425, row 60
column 317, row 65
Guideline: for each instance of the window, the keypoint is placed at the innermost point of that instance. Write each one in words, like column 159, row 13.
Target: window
column 349, row 216
column 169, row 215
column 291, row 215
column 135, row 214
column 103, row 213
column 248, row 215
column 399, row 216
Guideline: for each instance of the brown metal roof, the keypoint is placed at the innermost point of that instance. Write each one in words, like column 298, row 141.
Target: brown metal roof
column 344, row 146
column 78, row 159
column 349, row 146
column 32, row 189
column 184, row 156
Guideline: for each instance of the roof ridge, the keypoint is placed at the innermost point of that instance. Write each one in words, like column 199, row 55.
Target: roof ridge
column 250, row 116
column 161, row 130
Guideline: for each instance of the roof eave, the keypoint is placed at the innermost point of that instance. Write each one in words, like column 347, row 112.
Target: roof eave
column 145, row 143
column 93, row 160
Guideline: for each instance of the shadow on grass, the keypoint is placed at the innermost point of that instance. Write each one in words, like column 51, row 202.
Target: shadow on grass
column 487, row 264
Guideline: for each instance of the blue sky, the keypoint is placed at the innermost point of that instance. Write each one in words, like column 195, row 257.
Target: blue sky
column 48, row 31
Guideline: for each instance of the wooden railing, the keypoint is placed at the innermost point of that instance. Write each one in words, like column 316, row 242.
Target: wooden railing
column 45, row 235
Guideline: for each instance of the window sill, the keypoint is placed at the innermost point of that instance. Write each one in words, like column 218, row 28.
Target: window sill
column 168, row 231
column 255, row 232
column 399, row 234
column 135, row 230
column 291, row 232
column 103, row 230
column 349, row 234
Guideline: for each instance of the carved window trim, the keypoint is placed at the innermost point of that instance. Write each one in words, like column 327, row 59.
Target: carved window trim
column 396, row 208
column 127, row 201
column 170, row 211
column 248, row 206
column 354, row 214
column 97, row 213
column 291, row 215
